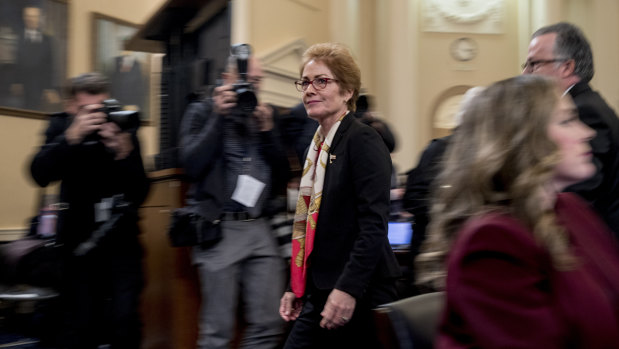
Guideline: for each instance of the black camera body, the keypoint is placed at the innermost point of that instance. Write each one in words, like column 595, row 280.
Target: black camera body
column 246, row 100
column 125, row 119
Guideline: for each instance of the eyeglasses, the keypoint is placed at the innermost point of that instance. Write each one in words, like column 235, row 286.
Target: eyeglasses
column 534, row 65
column 318, row 83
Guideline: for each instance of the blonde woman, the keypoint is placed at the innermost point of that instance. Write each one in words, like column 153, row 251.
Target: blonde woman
column 527, row 265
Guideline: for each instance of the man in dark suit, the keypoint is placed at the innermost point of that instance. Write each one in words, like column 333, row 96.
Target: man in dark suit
column 128, row 84
column 34, row 65
column 562, row 51
column 235, row 164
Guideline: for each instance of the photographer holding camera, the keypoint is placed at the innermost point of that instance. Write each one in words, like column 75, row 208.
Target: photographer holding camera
column 94, row 151
column 233, row 157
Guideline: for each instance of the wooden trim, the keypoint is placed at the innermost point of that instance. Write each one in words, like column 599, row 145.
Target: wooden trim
column 12, row 234
column 450, row 92
column 167, row 173
column 23, row 113
column 94, row 33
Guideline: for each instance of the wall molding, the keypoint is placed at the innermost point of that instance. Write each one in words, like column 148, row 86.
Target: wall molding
column 10, row 234
column 281, row 69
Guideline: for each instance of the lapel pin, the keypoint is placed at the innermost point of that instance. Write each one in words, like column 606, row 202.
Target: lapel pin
column 331, row 158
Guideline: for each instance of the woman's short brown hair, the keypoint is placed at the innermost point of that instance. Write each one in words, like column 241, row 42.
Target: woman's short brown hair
column 340, row 61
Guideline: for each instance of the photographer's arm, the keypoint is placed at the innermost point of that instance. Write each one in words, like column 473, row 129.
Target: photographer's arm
column 200, row 138
column 130, row 170
column 51, row 161
column 54, row 160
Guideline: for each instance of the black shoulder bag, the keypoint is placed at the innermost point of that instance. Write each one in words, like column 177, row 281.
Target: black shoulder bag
column 189, row 228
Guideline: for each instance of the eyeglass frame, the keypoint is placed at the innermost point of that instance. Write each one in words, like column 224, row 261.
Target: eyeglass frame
column 299, row 84
column 540, row 62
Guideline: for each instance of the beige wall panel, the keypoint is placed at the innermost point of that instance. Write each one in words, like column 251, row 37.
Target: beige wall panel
column 19, row 140
column 274, row 23
column 598, row 19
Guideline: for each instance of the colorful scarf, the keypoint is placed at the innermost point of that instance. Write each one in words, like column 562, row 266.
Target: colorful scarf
column 308, row 205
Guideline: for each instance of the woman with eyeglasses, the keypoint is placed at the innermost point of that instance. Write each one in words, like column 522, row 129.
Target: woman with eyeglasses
column 527, row 265
column 342, row 264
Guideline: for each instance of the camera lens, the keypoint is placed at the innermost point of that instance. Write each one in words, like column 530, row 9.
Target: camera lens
column 246, row 100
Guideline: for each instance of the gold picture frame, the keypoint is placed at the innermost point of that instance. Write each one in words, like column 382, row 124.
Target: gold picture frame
column 33, row 56
column 129, row 71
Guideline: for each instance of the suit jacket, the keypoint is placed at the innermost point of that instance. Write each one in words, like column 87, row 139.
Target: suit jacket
column 351, row 250
column 602, row 190
column 504, row 292
column 419, row 181
column 128, row 86
column 201, row 154
column 35, row 69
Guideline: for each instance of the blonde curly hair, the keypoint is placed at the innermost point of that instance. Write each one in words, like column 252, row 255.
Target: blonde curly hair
column 500, row 159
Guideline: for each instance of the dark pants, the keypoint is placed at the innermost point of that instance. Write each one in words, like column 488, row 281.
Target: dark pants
column 101, row 300
column 359, row 332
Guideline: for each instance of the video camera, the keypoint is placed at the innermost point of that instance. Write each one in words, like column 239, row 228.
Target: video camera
column 125, row 119
column 246, row 100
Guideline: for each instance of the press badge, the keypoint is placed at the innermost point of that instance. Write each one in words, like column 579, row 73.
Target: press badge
column 103, row 210
column 247, row 191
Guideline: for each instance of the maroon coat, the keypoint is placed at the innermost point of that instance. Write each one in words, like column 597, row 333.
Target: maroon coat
column 503, row 291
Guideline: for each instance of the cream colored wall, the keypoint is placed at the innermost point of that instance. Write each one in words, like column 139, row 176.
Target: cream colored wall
column 398, row 80
column 269, row 24
column 20, row 137
column 18, row 140
column 598, row 19
column 497, row 58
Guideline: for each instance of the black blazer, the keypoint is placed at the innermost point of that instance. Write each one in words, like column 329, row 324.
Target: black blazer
column 201, row 155
column 602, row 190
column 88, row 173
column 351, row 250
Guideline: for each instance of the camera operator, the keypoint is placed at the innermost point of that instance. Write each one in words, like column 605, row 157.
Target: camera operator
column 102, row 185
column 233, row 156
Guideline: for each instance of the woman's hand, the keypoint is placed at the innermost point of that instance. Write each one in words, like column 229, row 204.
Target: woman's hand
column 290, row 306
column 338, row 309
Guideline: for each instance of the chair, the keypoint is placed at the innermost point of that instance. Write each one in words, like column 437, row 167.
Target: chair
column 410, row 322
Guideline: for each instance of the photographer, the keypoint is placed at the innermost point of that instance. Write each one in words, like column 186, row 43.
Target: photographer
column 97, row 159
column 233, row 157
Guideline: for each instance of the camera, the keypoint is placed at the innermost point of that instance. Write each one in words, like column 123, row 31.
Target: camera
column 246, row 100
column 125, row 119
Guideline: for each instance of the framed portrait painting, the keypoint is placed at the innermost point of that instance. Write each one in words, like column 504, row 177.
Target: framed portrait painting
column 128, row 71
column 33, row 55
